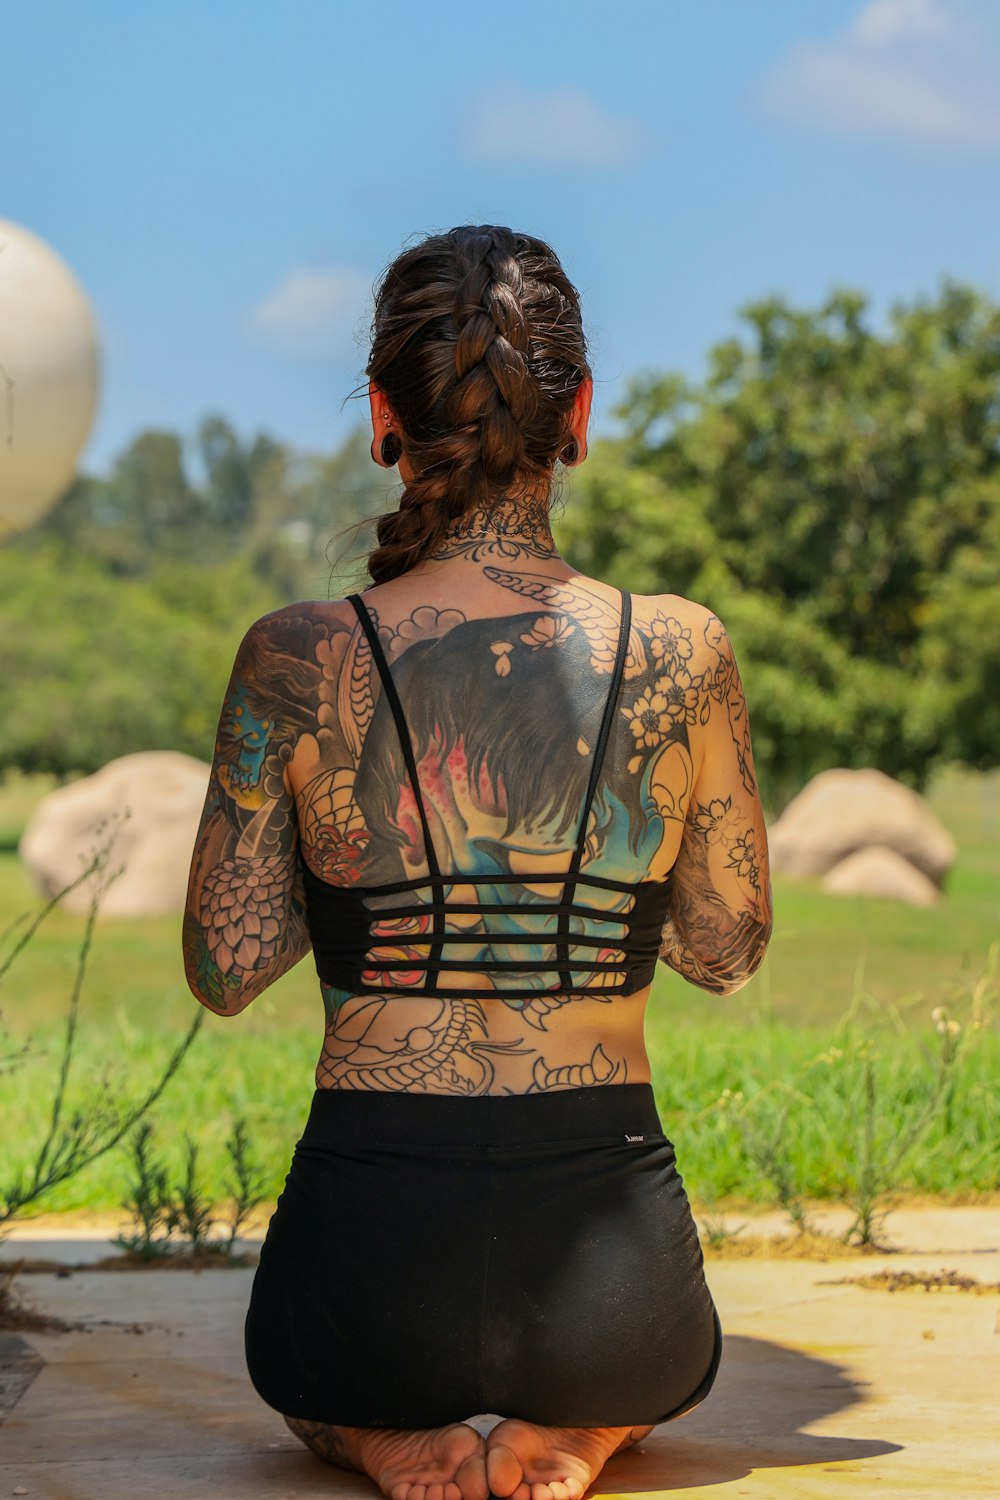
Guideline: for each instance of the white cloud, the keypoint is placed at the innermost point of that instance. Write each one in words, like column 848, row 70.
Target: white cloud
column 561, row 126
column 312, row 312
column 919, row 72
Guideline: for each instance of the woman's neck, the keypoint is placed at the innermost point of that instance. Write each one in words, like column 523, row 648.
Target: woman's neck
column 492, row 532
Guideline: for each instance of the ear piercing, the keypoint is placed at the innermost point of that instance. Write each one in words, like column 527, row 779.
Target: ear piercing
column 390, row 448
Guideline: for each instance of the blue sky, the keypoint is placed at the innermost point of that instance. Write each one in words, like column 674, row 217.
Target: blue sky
column 227, row 178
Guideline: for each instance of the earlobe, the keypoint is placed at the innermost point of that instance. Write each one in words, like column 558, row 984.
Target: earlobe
column 575, row 450
column 386, row 448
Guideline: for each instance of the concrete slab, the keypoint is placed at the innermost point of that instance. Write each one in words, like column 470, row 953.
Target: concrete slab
column 825, row 1390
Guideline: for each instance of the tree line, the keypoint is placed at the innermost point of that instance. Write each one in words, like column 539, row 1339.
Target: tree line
column 830, row 488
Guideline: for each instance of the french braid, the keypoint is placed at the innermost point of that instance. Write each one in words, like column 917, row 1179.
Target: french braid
column 477, row 342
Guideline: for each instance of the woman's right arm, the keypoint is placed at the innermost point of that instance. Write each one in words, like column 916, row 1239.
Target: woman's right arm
column 719, row 914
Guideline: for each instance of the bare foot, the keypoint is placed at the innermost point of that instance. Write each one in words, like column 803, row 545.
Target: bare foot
column 435, row 1463
column 528, row 1462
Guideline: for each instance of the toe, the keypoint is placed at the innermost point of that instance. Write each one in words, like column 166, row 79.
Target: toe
column 435, row 1492
column 504, row 1472
column 574, row 1489
column 559, row 1490
column 470, row 1480
column 541, row 1492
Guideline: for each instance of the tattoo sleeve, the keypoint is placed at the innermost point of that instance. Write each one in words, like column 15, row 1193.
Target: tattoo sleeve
column 719, row 919
column 244, row 917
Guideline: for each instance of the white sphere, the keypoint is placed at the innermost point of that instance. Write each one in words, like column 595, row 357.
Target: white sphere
column 49, row 375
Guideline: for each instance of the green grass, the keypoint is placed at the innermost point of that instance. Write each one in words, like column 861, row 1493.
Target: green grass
column 762, row 1042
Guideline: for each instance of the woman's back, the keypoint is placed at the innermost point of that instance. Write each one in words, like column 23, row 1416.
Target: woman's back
column 555, row 748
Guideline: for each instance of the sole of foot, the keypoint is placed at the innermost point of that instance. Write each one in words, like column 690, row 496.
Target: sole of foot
column 528, row 1462
column 441, row 1463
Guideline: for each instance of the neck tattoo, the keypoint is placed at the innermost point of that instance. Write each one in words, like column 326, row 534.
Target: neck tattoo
column 502, row 530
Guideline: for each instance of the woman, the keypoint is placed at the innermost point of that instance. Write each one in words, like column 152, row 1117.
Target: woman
column 488, row 794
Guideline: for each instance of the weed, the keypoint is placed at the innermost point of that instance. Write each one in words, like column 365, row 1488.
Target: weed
column 246, row 1187
column 713, row 1227
column 161, row 1211
column 769, row 1142
column 191, row 1213
column 149, row 1202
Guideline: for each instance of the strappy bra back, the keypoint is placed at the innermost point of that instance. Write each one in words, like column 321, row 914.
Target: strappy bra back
column 399, row 938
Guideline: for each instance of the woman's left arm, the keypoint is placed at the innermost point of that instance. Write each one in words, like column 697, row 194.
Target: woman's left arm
column 244, row 920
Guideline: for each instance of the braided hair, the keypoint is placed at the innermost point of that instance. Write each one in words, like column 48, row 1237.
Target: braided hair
column 478, row 345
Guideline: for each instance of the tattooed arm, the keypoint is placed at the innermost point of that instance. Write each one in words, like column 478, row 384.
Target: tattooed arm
column 244, row 918
column 719, row 918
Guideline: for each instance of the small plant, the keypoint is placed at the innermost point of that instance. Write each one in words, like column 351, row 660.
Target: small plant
column 714, row 1229
column 149, row 1202
column 161, row 1211
column 191, row 1213
column 879, row 1134
column 767, row 1140
column 246, row 1185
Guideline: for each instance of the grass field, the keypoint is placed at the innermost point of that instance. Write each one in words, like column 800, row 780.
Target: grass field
column 775, row 1074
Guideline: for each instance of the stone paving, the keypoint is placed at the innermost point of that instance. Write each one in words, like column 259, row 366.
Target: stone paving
column 825, row 1390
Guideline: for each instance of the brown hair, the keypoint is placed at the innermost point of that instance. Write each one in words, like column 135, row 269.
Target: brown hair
column 478, row 345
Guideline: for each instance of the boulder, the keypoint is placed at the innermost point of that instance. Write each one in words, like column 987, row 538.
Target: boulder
column 840, row 812
column 163, row 793
column 882, row 872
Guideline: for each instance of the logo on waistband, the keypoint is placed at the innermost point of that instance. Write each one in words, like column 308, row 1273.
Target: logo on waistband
column 635, row 1138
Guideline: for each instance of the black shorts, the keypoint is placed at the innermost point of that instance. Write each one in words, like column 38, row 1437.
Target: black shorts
column 529, row 1255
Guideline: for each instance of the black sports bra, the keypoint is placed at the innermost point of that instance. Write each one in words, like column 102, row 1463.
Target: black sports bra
column 340, row 918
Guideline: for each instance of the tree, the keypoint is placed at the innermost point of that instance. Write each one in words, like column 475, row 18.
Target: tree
column 834, row 493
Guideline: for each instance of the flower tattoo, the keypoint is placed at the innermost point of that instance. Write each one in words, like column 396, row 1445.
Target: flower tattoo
column 649, row 719
column 548, row 630
column 744, row 859
column 670, row 644
column 713, row 822
column 243, row 905
column 680, row 692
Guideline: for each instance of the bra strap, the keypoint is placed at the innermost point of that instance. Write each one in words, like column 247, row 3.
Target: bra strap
column 405, row 743
column 596, row 766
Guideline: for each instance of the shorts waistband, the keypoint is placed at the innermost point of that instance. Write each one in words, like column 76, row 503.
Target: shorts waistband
column 339, row 1115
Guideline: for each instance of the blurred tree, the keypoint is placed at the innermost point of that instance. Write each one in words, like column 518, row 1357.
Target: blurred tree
column 828, row 490
column 229, row 472
column 121, row 665
column 147, row 509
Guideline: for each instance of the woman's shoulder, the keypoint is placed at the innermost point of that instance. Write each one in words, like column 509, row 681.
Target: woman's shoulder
column 672, row 606
column 665, row 619
column 682, row 648
column 304, row 614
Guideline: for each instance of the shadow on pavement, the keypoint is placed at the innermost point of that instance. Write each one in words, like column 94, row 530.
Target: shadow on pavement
column 754, row 1417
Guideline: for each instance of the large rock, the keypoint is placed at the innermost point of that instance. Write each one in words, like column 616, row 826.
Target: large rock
column 881, row 872
column 163, row 793
column 840, row 812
